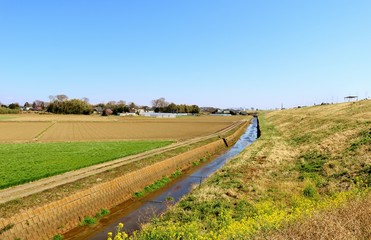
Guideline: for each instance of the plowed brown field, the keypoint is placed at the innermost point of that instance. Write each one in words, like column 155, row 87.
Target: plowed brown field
column 56, row 128
column 21, row 131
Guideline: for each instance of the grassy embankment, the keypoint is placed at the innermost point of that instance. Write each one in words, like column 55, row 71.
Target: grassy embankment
column 25, row 162
column 307, row 177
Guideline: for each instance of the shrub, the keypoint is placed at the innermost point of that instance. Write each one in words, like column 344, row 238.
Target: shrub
column 58, row 237
column 88, row 221
column 176, row 174
column 4, row 110
column 309, row 191
column 139, row 194
column 102, row 213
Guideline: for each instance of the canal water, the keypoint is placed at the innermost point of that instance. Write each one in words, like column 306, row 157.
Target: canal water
column 135, row 213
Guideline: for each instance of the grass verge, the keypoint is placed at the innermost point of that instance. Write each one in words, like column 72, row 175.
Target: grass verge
column 307, row 163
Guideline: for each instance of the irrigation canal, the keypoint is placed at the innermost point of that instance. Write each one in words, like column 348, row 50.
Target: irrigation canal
column 134, row 213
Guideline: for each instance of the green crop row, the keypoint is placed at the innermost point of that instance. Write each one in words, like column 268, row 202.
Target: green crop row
column 25, row 162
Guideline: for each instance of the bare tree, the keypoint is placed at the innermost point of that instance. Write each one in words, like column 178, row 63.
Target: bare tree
column 61, row 97
column 111, row 103
column 159, row 103
column 132, row 105
column 85, row 99
column 51, row 98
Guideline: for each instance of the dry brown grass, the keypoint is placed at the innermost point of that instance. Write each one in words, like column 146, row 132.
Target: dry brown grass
column 350, row 221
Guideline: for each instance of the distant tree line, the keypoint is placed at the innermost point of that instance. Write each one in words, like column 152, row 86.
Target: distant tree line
column 72, row 106
column 6, row 110
column 61, row 104
column 160, row 105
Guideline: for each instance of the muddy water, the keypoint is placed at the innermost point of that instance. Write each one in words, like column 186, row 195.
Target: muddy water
column 135, row 213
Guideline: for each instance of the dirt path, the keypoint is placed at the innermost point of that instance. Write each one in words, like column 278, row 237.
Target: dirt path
column 58, row 180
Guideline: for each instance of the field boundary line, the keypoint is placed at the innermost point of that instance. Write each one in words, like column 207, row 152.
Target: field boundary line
column 37, row 186
column 37, row 137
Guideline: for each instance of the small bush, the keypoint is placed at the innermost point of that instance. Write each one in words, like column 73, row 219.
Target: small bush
column 176, row 174
column 88, row 221
column 139, row 194
column 157, row 185
column 309, row 191
column 58, row 237
column 169, row 198
column 153, row 187
column 102, row 213
column 194, row 164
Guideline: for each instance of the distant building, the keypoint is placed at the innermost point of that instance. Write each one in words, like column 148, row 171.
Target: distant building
column 351, row 98
column 128, row 114
column 159, row 115
column 98, row 110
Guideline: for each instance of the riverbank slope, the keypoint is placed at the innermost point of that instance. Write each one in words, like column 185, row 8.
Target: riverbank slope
column 307, row 176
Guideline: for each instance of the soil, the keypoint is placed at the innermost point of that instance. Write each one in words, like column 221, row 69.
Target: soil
column 58, row 128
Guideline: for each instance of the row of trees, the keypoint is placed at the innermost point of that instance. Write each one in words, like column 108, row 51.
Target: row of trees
column 61, row 104
column 160, row 105
column 119, row 107
column 72, row 106
column 6, row 110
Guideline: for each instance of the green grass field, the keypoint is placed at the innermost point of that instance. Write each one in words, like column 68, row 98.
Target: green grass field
column 25, row 162
column 2, row 117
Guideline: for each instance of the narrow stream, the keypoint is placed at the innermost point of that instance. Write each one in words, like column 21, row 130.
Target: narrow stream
column 133, row 214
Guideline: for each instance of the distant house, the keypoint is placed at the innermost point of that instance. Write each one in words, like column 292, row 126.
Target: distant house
column 26, row 108
column 128, row 114
column 225, row 112
column 98, row 110
column 351, row 98
column 208, row 109
column 217, row 111
column 141, row 111
column 159, row 115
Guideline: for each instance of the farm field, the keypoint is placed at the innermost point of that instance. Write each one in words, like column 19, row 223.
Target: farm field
column 34, row 146
column 307, row 177
column 15, row 132
column 53, row 128
column 25, row 162
column 34, row 117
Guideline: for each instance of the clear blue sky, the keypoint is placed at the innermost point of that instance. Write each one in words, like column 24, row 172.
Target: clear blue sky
column 206, row 52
